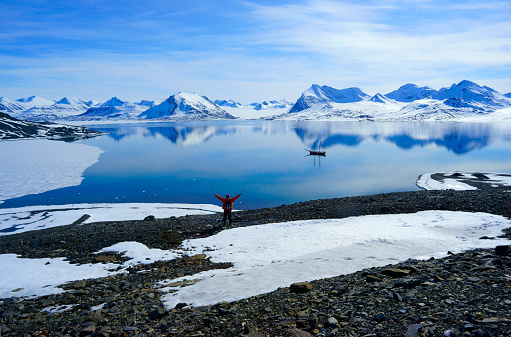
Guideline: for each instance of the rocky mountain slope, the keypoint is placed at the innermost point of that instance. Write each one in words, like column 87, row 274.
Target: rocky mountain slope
column 12, row 128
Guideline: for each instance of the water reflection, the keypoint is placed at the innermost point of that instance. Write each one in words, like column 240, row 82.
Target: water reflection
column 166, row 162
column 459, row 138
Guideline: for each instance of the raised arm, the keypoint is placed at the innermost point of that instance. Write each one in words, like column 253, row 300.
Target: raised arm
column 219, row 197
column 236, row 197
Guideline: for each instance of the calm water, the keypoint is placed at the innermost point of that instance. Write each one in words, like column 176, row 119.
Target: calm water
column 167, row 162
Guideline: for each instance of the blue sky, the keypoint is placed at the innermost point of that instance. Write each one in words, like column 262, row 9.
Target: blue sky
column 248, row 50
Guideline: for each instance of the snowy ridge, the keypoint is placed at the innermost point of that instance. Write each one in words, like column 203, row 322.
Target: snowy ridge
column 188, row 106
column 465, row 101
column 59, row 110
column 325, row 95
column 115, row 109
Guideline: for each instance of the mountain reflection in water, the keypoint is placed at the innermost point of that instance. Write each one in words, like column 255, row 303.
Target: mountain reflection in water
column 167, row 162
column 459, row 138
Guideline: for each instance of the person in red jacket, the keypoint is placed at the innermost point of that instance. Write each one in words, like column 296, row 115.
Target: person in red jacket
column 227, row 206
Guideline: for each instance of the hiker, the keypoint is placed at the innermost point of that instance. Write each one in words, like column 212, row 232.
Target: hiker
column 227, row 206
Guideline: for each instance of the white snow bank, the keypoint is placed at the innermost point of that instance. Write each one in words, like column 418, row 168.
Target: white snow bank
column 269, row 256
column 22, row 219
column 32, row 166
column 38, row 277
column 458, row 181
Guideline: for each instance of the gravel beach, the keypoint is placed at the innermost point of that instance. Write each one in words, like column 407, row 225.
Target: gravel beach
column 467, row 294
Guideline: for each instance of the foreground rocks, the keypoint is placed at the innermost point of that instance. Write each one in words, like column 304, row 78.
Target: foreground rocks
column 466, row 294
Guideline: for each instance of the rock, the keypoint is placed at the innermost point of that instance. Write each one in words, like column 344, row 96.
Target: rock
column 413, row 330
column 332, row 321
column 87, row 331
column 503, row 250
column 396, row 297
column 298, row 333
column 394, row 272
column 300, row 287
column 180, row 305
column 150, row 218
column 249, row 328
column 79, row 284
column 372, row 278
column 379, row 317
column 105, row 258
column 156, row 314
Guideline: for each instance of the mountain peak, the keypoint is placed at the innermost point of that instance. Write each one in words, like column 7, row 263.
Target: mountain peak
column 325, row 95
column 35, row 101
column 410, row 92
column 186, row 105
column 114, row 101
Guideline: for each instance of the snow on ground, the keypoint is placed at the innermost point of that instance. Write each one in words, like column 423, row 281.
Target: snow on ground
column 34, row 166
column 22, row 219
column 462, row 181
column 269, row 256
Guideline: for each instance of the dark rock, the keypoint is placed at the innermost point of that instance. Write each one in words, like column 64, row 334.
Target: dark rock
column 379, row 317
column 156, row 314
column 503, row 250
column 300, row 287
column 150, row 218
column 180, row 305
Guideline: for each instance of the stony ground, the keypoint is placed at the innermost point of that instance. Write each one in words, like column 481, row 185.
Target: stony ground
column 465, row 294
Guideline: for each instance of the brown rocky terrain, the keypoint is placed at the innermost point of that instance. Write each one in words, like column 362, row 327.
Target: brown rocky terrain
column 467, row 294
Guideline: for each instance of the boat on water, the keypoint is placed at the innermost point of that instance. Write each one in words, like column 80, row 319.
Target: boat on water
column 316, row 153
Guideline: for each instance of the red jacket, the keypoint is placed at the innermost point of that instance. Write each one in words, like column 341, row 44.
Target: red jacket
column 226, row 200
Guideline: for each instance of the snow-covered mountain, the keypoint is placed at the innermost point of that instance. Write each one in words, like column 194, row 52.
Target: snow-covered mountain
column 115, row 109
column 62, row 109
column 411, row 92
column 12, row 128
column 9, row 106
column 281, row 104
column 34, row 101
column 472, row 93
column 464, row 100
column 227, row 103
column 186, row 106
column 324, row 95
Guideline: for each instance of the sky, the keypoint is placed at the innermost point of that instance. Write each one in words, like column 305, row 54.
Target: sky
column 248, row 51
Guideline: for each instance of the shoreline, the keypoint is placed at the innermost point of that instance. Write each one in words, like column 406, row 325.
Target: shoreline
column 82, row 240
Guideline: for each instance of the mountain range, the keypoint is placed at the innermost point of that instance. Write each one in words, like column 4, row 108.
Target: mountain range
column 409, row 102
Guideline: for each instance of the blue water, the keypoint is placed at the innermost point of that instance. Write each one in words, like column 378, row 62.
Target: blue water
column 168, row 162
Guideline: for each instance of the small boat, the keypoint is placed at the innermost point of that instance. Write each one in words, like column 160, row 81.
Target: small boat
column 317, row 153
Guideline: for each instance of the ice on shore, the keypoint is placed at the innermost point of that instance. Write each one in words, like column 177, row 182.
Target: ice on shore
column 22, row 219
column 32, row 166
column 463, row 181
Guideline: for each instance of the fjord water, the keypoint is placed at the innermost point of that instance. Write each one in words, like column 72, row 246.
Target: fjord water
column 168, row 162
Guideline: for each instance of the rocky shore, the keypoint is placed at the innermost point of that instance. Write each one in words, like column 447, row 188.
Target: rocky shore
column 467, row 294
